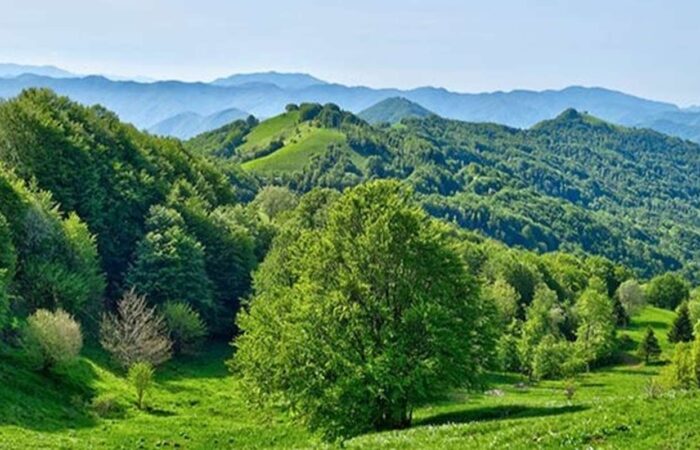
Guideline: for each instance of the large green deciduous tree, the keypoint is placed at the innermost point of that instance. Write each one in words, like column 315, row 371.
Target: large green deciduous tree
column 667, row 291
column 373, row 314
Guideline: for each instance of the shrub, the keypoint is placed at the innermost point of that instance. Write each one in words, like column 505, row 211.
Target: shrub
column 141, row 378
column 653, row 389
column 136, row 333
column 187, row 329
column 570, row 389
column 667, row 291
column 107, row 406
column 52, row 338
column 631, row 296
column 554, row 359
column 680, row 374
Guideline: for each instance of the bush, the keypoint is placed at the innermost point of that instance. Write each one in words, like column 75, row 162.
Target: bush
column 680, row 374
column 141, row 378
column 555, row 359
column 52, row 338
column 108, row 407
column 136, row 333
column 187, row 329
column 667, row 291
column 507, row 356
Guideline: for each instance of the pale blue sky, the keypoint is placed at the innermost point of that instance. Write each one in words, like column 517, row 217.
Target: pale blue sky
column 645, row 47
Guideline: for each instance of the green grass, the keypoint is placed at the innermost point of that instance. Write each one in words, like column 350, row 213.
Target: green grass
column 197, row 404
column 278, row 127
column 295, row 155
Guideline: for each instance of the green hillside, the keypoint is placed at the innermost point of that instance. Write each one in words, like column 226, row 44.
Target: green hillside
column 573, row 183
column 339, row 312
column 295, row 155
column 276, row 128
column 303, row 138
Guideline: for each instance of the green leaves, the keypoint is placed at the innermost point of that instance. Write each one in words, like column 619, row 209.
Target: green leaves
column 375, row 314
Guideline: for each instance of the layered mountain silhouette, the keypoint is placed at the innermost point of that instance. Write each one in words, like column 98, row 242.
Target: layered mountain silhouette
column 149, row 105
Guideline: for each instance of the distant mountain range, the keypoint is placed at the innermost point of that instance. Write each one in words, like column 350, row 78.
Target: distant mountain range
column 158, row 105
column 188, row 124
column 9, row 70
column 281, row 80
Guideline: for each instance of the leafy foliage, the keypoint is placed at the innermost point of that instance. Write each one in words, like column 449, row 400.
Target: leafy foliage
column 573, row 183
column 375, row 313
column 667, row 291
column 52, row 338
column 141, row 377
column 187, row 329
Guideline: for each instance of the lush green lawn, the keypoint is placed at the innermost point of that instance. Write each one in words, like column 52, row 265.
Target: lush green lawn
column 197, row 404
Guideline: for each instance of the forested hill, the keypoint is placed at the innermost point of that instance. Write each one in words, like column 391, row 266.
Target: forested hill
column 572, row 183
column 148, row 214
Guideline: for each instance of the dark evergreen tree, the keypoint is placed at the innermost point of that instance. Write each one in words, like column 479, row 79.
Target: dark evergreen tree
column 682, row 329
column 622, row 319
column 649, row 347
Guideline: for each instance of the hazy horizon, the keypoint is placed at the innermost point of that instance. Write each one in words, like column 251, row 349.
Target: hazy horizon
column 640, row 48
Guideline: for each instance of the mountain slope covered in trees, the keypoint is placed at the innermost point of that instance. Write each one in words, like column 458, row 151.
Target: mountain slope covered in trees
column 572, row 183
column 162, row 220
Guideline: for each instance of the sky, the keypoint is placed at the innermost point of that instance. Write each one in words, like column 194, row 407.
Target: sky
column 643, row 47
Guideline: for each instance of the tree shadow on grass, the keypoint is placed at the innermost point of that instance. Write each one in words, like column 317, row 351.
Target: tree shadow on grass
column 208, row 363
column 643, row 324
column 499, row 412
column 45, row 401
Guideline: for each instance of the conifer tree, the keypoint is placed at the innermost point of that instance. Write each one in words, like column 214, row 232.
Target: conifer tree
column 649, row 347
column 682, row 329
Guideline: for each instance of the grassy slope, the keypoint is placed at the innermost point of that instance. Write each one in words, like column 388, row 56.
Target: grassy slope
column 275, row 128
column 295, row 155
column 197, row 405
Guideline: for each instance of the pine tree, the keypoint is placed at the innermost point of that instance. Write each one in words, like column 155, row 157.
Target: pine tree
column 649, row 347
column 682, row 329
column 622, row 319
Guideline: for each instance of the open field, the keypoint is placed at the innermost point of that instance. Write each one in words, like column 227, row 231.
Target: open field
column 197, row 405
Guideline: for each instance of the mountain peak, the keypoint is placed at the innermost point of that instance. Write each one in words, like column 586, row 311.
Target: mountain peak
column 393, row 110
column 571, row 117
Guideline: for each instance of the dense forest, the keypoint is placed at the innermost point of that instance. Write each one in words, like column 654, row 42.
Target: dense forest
column 574, row 183
column 359, row 272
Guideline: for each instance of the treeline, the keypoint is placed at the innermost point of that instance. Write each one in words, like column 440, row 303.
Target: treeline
column 92, row 208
